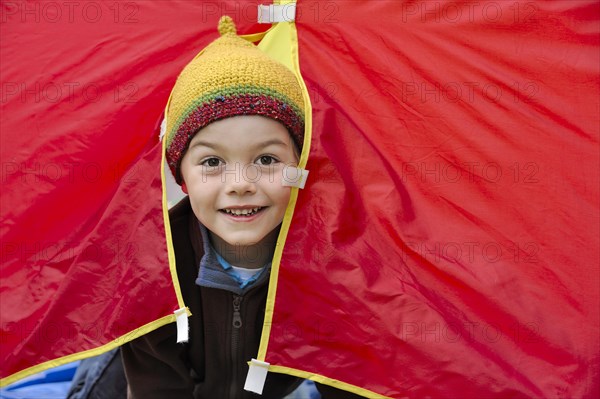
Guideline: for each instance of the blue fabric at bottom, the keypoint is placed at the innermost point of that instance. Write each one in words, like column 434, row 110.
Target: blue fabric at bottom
column 49, row 384
column 99, row 377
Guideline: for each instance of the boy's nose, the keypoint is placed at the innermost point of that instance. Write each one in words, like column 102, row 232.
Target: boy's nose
column 241, row 181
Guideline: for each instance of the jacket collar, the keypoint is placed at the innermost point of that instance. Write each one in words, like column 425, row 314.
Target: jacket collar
column 210, row 272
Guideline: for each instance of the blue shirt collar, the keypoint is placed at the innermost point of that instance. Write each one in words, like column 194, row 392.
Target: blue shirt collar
column 215, row 274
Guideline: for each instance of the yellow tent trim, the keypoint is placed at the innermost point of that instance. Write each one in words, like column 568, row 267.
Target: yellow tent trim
column 281, row 43
column 123, row 339
column 169, row 239
column 327, row 381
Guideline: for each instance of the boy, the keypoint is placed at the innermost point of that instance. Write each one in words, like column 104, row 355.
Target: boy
column 234, row 121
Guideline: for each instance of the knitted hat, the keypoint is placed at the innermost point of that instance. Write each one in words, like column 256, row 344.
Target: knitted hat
column 230, row 77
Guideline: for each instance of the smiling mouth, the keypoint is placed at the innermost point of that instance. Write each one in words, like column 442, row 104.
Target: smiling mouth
column 242, row 212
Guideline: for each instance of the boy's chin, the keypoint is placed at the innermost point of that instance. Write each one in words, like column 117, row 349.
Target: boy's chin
column 248, row 240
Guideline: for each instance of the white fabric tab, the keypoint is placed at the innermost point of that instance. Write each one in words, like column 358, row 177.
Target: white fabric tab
column 183, row 329
column 267, row 14
column 163, row 129
column 294, row 177
column 257, row 374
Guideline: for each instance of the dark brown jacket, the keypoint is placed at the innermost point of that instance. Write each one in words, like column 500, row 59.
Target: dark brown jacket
column 213, row 364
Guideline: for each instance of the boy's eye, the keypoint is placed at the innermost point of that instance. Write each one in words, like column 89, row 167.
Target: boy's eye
column 211, row 162
column 266, row 160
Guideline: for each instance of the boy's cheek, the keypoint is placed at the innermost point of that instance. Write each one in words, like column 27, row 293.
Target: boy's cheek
column 282, row 195
column 197, row 178
column 274, row 183
column 285, row 172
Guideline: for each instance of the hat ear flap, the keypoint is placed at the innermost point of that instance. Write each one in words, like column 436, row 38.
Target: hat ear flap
column 184, row 188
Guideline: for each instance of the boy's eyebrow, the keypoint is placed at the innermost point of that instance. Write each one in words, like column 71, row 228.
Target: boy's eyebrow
column 216, row 146
column 270, row 142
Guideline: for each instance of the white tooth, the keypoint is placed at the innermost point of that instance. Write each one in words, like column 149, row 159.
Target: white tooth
column 239, row 212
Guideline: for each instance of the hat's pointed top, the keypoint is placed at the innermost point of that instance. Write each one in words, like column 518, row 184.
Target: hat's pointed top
column 226, row 26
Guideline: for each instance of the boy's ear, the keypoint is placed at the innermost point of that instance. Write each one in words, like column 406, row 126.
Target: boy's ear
column 184, row 188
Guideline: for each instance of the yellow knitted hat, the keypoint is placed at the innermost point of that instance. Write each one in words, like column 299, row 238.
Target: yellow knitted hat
column 230, row 77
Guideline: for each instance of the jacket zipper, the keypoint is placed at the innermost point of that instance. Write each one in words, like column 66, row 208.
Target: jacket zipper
column 235, row 343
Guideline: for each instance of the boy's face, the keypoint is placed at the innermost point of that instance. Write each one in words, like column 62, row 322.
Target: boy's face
column 233, row 171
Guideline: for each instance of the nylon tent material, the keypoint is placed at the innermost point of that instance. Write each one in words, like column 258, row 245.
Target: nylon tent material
column 84, row 257
column 446, row 242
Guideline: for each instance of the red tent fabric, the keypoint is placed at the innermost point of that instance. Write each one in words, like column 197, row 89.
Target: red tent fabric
column 84, row 255
column 446, row 243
